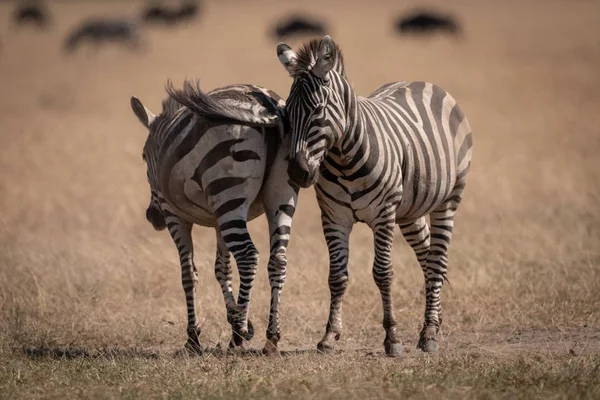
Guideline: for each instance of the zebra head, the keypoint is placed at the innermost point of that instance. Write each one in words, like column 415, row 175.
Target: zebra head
column 154, row 213
column 314, row 106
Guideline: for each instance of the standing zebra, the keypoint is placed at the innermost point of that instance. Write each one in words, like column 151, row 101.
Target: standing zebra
column 391, row 158
column 209, row 163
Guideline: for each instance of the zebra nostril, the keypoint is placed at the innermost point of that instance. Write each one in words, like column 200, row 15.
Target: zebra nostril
column 156, row 218
column 299, row 174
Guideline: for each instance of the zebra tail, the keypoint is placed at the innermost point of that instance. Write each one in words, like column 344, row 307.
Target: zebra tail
column 208, row 108
column 447, row 281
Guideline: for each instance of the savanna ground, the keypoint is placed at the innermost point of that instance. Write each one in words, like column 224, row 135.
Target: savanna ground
column 90, row 296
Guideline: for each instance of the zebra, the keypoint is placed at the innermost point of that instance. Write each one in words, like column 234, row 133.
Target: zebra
column 218, row 159
column 395, row 157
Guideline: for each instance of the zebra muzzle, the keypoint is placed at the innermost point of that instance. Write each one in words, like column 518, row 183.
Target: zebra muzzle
column 300, row 173
column 156, row 218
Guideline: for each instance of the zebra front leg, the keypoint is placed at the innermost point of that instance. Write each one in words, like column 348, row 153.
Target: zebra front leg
column 442, row 223
column 383, row 274
column 237, row 239
column 280, row 230
column 181, row 232
column 337, row 238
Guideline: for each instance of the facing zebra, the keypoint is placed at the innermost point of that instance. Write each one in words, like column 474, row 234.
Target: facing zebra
column 392, row 158
column 209, row 163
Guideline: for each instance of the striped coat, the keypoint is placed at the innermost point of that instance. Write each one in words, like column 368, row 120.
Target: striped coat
column 392, row 158
column 218, row 160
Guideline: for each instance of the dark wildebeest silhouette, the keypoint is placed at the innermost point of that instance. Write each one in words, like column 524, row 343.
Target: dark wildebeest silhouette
column 298, row 25
column 31, row 13
column 425, row 22
column 157, row 13
column 188, row 10
column 104, row 30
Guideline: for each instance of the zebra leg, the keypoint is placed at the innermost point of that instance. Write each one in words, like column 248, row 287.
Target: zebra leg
column 383, row 274
column 237, row 239
column 337, row 238
column 442, row 223
column 280, row 229
column 181, row 232
column 417, row 236
column 224, row 275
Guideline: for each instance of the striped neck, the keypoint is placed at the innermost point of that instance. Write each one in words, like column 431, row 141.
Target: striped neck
column 353, row 142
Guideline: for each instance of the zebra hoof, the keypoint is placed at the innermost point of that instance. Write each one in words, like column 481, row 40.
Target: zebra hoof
column 237, row 346
column 393, row 349
column 250, row 334
column 194, row 348
column 270, row 349
column 428, row 345
column 325, row 348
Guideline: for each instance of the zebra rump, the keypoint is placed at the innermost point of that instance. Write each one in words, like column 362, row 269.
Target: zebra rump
column 217, row 160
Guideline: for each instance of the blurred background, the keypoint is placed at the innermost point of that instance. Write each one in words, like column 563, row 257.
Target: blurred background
column 80, row 265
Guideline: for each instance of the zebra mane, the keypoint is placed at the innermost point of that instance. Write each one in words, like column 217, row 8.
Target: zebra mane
column 169, row 107
column 307, row 57
column 213, row 109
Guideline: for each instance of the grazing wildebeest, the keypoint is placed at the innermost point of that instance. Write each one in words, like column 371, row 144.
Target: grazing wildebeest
column 104, row 30
column 188, row 10
column 298, row 25
column 424, row 22
column 31, row 13
column 157, row 13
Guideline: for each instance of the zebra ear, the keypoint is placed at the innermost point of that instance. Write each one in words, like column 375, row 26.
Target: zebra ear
column 326, row 58
column 144, row 115
column 287, row 56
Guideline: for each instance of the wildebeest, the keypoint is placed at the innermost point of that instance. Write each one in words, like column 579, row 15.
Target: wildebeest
column 157, row 13
column 298, row 25
column 31, row 13
column 424, row 22
column 104, row 30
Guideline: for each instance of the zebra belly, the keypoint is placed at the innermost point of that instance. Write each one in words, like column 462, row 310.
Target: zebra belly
column 421, row 197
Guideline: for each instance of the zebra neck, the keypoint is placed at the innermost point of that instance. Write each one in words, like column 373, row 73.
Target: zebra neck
column 355, row 147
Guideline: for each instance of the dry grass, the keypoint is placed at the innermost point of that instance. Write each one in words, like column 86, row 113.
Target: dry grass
column 90, row 299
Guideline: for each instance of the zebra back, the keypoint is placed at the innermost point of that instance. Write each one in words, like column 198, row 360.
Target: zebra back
column 258, row 107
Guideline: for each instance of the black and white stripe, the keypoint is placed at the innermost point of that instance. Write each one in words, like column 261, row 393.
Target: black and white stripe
column 220, row 160
column 392, row 158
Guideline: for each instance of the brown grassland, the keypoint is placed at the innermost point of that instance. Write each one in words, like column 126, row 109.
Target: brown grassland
column 90, row 296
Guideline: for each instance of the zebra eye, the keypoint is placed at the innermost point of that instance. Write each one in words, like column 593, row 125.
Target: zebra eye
column 319, row 110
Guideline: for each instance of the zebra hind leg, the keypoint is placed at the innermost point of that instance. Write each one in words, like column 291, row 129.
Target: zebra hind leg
column 237, row 239
column 442, row 223
column 418, row 237
column 182, row 236
column 224, row 275
column 280, row 229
